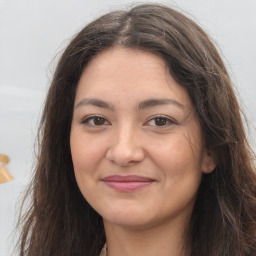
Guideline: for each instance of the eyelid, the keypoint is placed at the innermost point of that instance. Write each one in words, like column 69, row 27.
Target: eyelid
column 169, row 119
column 86, row 120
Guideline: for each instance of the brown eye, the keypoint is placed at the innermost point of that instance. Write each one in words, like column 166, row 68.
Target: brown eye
column 160, row 121
column 95, row 121
column 98, row 120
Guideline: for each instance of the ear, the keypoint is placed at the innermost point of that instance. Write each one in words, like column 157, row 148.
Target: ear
column 208, row 162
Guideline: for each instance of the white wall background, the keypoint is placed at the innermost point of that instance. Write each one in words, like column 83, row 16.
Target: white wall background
column 33, row 32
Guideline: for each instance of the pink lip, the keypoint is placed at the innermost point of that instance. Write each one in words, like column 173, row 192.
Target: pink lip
column 127, row 183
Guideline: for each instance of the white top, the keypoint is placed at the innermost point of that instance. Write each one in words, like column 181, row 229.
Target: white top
column 104, row 251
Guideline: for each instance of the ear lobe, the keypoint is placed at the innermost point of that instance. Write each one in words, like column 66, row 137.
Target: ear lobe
column 208, row 163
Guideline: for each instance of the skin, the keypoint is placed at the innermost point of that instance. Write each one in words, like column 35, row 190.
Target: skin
column 118, row 130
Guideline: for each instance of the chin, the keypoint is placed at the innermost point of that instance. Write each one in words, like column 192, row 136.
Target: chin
column 128, row 218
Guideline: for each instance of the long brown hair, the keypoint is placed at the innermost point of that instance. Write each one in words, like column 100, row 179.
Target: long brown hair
column 61, row 222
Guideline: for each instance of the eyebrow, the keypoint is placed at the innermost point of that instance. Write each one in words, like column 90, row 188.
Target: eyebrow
column 156, row 102
column 142, row 105
column 94, row 102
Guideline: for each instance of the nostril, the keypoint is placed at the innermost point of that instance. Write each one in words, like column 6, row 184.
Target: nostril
column 124, row 156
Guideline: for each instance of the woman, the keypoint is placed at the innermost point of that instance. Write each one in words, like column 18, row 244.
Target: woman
column 142, row 146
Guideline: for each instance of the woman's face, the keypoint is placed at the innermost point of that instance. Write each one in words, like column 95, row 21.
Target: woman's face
column 136, row 142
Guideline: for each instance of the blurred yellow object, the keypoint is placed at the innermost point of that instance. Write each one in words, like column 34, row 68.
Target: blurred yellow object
column 4, row 159
column 4, row 173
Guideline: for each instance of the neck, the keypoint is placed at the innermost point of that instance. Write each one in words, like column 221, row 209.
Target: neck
column 166, row 240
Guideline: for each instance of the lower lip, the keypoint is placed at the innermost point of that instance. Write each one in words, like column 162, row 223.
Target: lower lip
column 128, row 186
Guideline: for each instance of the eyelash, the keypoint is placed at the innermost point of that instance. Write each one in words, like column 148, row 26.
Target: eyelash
column 87, row 120
column 165, row 121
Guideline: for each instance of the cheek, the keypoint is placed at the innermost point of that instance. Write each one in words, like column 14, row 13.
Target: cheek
column 177, row 158
column 85, row 152
column 84, row 162
column 84, row 159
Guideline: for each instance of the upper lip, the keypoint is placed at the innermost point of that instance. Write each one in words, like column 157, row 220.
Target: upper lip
column 127, row 178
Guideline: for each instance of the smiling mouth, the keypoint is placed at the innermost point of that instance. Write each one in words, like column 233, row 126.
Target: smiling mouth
column 128, row 183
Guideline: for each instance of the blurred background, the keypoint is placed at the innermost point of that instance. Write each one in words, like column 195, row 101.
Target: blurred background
column 33, row 34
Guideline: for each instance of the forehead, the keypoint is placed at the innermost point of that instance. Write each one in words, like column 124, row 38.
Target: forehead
column 123, row 72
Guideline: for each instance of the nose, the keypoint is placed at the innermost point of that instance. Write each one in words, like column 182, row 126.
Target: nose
column 125, row 148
